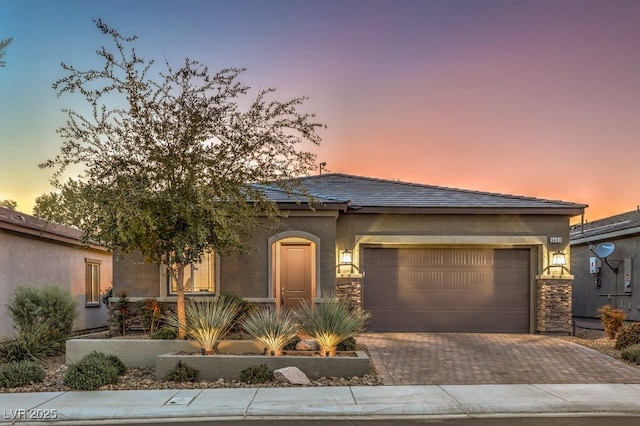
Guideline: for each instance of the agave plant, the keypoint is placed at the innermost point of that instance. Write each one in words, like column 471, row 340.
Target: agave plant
column 330, row 322
column 274, row 329
column 207, row 321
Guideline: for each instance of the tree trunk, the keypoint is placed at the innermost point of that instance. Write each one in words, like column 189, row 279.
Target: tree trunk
column 182, row 317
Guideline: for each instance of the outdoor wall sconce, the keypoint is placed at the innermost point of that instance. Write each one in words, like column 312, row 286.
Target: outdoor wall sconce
column 346, row 259
column 558, row 259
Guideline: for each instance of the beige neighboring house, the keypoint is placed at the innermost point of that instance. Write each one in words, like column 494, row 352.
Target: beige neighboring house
column 36, row 252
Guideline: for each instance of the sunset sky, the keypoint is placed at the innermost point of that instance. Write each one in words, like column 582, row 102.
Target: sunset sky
column 537, row 98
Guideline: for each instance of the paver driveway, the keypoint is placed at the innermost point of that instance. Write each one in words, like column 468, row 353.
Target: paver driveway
column 470, row 359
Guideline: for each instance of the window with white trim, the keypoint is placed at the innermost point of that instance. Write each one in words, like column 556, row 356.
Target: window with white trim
column 92, row 267
column 198, row 279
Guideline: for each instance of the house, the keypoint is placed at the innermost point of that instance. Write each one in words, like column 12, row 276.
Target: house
column 605, row 265
column 418, row 257
column 35, row 252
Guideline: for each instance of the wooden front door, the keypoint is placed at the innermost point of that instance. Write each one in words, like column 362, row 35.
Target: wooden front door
column 295, row 274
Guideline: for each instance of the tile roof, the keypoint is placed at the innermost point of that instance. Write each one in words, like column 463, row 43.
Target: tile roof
column 371, row 193
column 620, row 224
column 35, row 226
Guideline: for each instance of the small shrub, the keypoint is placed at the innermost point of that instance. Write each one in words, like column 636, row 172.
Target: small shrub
column 151, row 313
column 29, row 345
column 631, row 354
column 31, row 306
column 112, row 359
column 629, row 335
column 90, row 373
column 612, row 320
column 121, row 313
column 256, row 374
column 165, row 333
column 347, row 344
column 182, row 373
column 20, row 373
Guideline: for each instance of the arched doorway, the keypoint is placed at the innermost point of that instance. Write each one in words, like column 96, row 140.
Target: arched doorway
column 294, row 271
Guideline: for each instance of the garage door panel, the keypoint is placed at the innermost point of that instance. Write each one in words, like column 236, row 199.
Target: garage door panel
column 421, row 289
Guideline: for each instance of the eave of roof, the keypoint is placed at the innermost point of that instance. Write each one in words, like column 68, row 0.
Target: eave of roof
column 616, row 226
column 22, row 223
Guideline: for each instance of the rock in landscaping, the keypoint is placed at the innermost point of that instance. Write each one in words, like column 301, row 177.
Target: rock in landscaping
column 291, row 375
column 307, row 345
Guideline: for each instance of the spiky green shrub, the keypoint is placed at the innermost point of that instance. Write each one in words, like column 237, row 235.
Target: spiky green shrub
column 31, row 306
column 29, row 345
column 207, row 321
column 244, row 308
column 274, row 329
column 182, row 372
column 612, row 320
column 20, row 373
column 91, row 372
column 256, row 374
column 629, row 335
column 331, row 321
column 631, row 354
column 165, row 333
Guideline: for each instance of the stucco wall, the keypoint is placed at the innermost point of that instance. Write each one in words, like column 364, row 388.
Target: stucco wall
column 140, row 279
column 587, row 297
column 247, row 275
column 33, row 261
column 352, row 228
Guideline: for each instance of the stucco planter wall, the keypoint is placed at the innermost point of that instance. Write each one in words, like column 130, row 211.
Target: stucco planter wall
column 143, row 352
column 229, row 367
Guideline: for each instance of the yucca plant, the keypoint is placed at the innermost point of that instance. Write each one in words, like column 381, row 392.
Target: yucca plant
column 274, row 329
column 330, row 322
column 207, row 321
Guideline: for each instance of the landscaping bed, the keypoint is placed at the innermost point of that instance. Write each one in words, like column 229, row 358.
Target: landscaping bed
column 230, row 367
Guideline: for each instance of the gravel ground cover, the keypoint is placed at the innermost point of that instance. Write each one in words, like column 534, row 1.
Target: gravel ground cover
column 144, row 378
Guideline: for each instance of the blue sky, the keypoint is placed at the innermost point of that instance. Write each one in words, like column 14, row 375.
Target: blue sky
column 538, row 98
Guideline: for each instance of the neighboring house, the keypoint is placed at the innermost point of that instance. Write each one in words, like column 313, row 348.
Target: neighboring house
column 418, row 257
column 606, row 280
column 34, row 252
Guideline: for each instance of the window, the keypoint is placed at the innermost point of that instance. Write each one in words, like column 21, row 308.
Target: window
column 199, row 279
column 93, row 282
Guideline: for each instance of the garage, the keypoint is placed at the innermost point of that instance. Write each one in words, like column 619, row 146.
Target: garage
column 447, row 289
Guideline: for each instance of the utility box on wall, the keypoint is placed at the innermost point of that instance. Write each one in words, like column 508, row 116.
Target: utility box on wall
column 627, row 275
column 594, row 265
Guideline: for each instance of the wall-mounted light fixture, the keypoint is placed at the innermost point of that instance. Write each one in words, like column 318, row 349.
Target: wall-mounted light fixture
column 346, row 259
column 558, row 259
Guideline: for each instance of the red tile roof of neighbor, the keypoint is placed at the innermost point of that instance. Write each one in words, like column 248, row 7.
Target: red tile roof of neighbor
column 367, row 194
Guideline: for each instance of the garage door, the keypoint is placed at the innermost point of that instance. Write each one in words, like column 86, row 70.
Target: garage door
column 447, row 290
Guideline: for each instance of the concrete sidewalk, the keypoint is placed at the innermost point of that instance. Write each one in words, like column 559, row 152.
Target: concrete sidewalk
column 445, row 401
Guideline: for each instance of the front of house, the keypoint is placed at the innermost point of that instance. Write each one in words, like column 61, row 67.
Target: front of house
column 418, row 257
